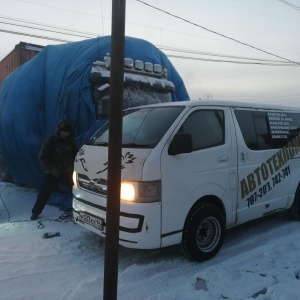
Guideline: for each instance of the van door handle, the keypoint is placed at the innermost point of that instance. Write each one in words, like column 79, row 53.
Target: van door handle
column 223, row 158
column 243, row 157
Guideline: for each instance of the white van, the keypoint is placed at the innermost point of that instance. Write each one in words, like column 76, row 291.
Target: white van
column 190, row 170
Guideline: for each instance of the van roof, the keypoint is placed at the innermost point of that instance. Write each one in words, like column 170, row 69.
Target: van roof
column 234, row 104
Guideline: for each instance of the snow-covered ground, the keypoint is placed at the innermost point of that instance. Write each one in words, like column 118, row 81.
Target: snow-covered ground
column 259, row 260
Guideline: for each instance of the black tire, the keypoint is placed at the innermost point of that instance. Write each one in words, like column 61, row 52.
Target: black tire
column 4, row 174
column 203, row 233
column 294, row 210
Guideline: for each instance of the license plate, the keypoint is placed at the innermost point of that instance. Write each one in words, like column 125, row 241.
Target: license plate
column 91, row 220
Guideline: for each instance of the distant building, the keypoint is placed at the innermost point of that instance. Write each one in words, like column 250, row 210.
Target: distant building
column 22, row 53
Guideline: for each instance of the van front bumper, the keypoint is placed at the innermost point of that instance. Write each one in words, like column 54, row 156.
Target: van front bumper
column 140, row 223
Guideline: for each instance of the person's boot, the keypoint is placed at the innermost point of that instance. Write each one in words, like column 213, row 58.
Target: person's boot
column 33, row 217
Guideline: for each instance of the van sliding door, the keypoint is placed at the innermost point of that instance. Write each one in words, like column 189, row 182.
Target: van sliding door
column 263, row 168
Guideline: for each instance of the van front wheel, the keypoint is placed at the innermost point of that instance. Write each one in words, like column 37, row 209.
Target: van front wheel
column 203, row 232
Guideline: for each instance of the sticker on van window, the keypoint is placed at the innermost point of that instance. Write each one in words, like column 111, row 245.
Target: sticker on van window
column 269, row 173
column 281, row 124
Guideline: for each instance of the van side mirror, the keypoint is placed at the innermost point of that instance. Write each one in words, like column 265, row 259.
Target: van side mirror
column 181, row 143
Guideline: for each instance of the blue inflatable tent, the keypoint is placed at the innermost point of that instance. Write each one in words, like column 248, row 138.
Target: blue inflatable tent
column 55, row 85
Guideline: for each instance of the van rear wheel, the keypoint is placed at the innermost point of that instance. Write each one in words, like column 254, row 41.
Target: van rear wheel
column 203, row 232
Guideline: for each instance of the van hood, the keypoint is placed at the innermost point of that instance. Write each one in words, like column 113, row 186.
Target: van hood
column 92, row 161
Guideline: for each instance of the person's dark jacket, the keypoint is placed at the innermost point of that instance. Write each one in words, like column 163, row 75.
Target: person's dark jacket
column 57, row 155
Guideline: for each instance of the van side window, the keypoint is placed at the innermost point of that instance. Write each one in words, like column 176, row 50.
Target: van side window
column 254, row 128
column 246, row 123
column 267, row 130
column 206, row 128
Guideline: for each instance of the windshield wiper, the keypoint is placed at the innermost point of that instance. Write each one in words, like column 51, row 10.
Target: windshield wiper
column 134, row 145
column 96, row 143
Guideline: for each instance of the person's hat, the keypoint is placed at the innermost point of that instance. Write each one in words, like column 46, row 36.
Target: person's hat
column 64, row 126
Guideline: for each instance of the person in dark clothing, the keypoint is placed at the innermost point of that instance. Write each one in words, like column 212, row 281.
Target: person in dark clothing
column 57, row 156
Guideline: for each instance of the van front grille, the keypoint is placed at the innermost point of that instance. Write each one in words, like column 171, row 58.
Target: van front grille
column 96, row 185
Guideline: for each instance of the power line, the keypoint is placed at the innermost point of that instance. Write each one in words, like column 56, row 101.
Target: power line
column 60, row 8
column 169, row 48
column 82, row 34
column 80, row 12
column 283, row 64
column 42, row 29
column 235, row 40
column 68, row 31
column 35, row 36
column 102, row 18
column 234, row 62
column 72, row 32
column 290, row 4
column 47, row 25
column 97, row 16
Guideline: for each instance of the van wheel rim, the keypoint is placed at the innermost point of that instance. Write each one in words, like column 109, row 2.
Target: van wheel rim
column 208, row 234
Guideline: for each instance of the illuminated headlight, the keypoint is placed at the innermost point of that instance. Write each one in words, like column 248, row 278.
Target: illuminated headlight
column 148, row 191
column 75, row 178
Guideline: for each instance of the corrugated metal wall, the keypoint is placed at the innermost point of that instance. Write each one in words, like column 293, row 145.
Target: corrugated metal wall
column 22, row 53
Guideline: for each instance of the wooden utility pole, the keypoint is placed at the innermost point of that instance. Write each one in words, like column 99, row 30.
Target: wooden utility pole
column 110, row 288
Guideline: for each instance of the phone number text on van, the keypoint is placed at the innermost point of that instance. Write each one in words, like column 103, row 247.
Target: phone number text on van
column 284, row 173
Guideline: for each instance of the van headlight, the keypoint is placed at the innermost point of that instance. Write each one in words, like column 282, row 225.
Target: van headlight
column 146, row 191
column 74, row 178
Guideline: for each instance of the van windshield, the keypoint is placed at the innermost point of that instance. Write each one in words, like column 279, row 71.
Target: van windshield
column 142, row 127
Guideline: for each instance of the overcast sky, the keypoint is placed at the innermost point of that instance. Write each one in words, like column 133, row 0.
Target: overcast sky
column 195, row 36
